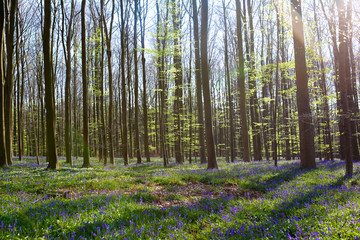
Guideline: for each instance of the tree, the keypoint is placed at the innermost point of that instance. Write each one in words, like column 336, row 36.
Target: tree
column 67, row 54
column 123, row 88
column 161, row 44
column 9, row 77
column 86, row 156
column 145, row 107
column 108, row 34
column 254, row 105
column 241, row 82
column 274, row 122
column 306, row 128
column 178, row 102
column 136, row 87
column 344, row 84
column 200, row 117
column 212, row 163
column 49, row 91
column 3, row 156
column 230, row 102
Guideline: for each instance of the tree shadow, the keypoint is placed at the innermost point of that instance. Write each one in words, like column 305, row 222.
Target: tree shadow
column 46, row 216
column 281, row 214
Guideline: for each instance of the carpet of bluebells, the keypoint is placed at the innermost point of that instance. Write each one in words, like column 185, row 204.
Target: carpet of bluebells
column 117, row 202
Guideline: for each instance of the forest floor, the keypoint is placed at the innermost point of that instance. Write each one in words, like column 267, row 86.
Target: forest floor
column 240, row 201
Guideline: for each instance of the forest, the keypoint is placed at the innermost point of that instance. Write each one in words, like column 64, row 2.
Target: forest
column 179, row 119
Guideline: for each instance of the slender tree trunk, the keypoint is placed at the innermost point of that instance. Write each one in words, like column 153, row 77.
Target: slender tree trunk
column 108, row 35
column 306, row 127
column 212, row 163
column 20, row 87
column 3, row 156
column 241, row 81
column 265, row 93
column 285, row 88
column 136, row 88
column 123, row 88
column 75, row 101
column 178, row 102
column 49, row 92
column 145, row 107
column 104, row 150
column 198, row 85
column 230, row 103
column 161, row 52
column 86, row 162
column 9, row 77
column 31, row 97
column 67, row 55
column 254, row 105
column 276, row 101
column 130, row 105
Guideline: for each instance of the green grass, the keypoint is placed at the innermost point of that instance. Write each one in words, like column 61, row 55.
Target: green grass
column 240, row 201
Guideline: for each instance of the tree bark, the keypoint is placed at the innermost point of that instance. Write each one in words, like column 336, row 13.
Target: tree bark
column 86, row 161
column 230, row 103
column 198, row 85
column 67, row 55
column 254, row 105
column 178, row 102
column 306, row 127
column 108, row 35
column 136, row 88
column 241, row 82
column 212, row 163
column 123, row 89
column 3, row 155
column 344, row 85
column 161, row 69
column 49, row 92
column 9, row 77
column 145, row 107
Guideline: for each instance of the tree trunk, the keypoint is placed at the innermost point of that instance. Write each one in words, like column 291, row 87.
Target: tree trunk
column 145, row 107
column 108, row 35
column 306, row 128
column 9, row 77
column 123, row 88
column 67, row 55
column 178, row 102
column 254, row 105
column 198, row 85
column 136, row 88
column 3, row 156
column 20, row 88
column 241, row 81
column 75, row 102
column 49, row 92
column 161, row 47
column 212, row 163
column 86, row 162
column 276, row 101
column 230, row 103
column 344, row 85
